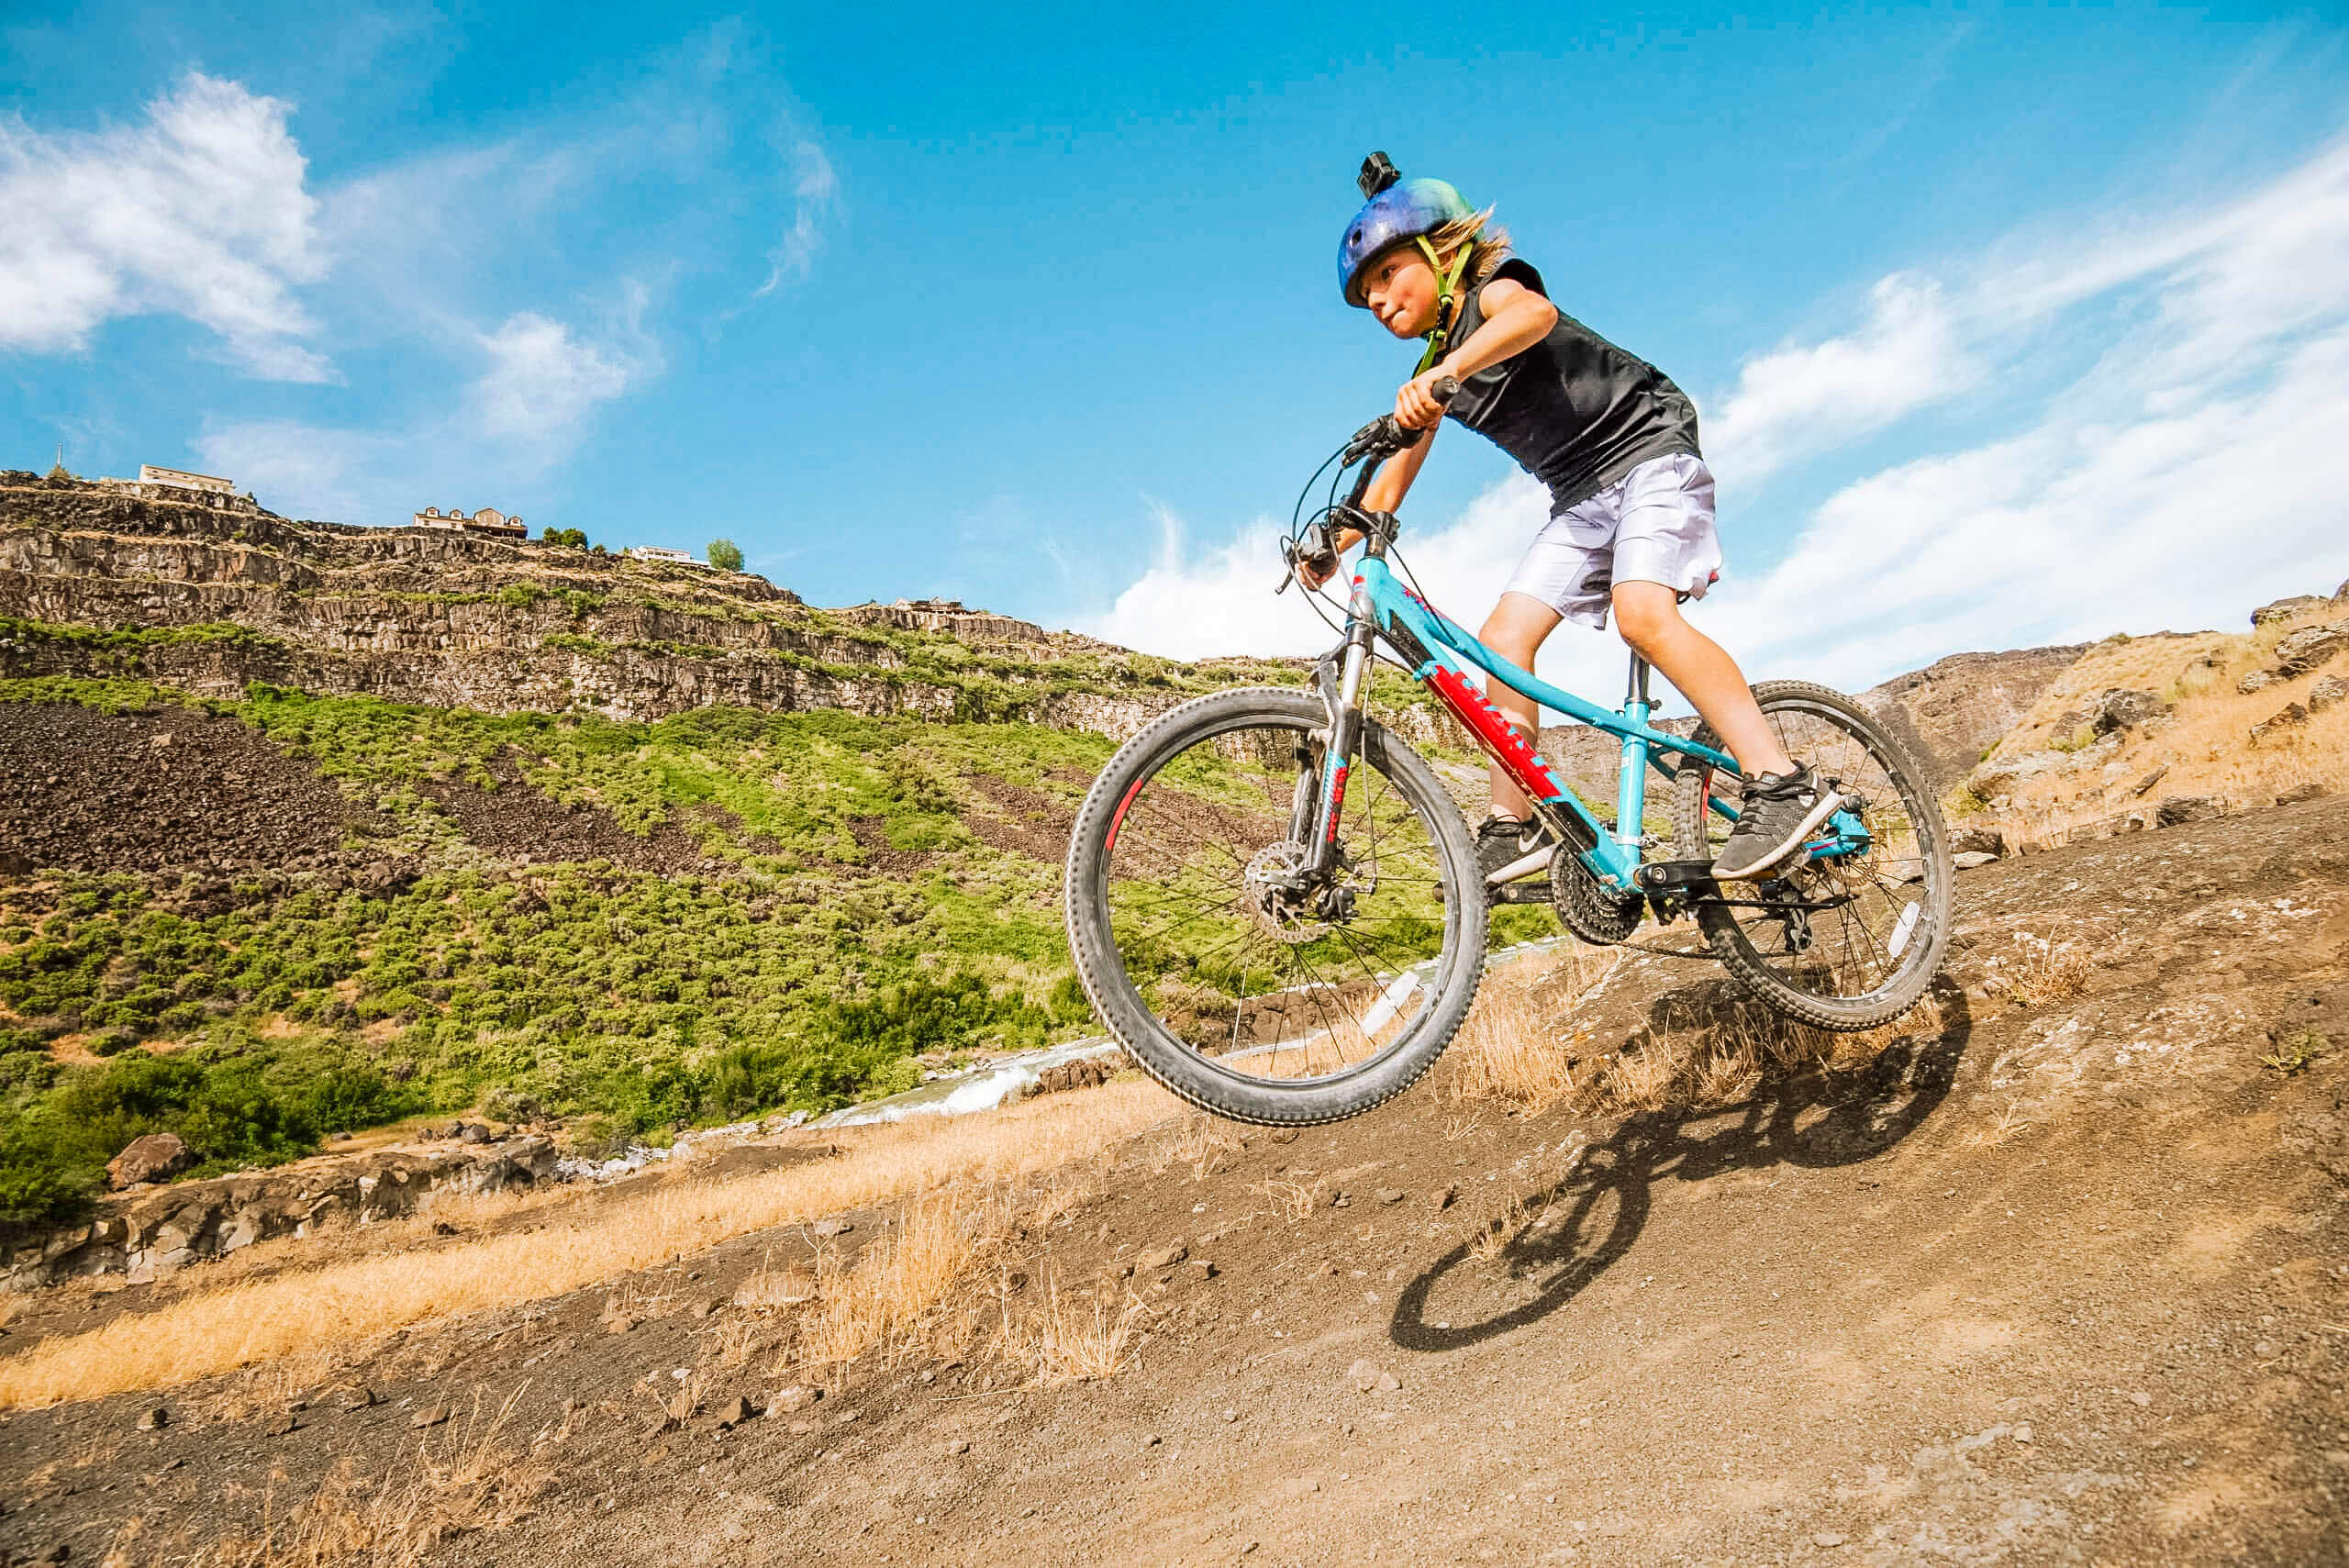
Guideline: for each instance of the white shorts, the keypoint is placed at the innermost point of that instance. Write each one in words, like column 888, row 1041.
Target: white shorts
column 1654, row 525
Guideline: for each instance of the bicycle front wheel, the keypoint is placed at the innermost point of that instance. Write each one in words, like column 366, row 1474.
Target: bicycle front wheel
column 1842, row 939
column 1248, row 986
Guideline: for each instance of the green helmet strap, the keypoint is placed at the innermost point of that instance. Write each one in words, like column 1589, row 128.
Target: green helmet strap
column 1447, row 281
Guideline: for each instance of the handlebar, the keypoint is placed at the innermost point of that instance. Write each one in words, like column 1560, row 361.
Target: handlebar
column 1382, row 438
column 1371, row 445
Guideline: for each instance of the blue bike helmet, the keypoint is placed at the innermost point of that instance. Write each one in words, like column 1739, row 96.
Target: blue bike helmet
column 1405, row 209
column 1400, row 209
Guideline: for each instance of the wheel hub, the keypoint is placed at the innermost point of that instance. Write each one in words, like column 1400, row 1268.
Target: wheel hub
column 1281, row 899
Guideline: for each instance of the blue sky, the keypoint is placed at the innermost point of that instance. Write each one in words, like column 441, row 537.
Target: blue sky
column 2007, row 325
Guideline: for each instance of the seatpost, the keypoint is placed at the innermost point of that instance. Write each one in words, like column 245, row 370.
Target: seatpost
column 1632, row 779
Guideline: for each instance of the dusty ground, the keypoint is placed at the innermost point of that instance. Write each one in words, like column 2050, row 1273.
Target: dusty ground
column 2065, row 1284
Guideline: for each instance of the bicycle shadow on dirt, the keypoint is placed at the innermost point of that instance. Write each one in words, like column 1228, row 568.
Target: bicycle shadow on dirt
column 1554, row 1239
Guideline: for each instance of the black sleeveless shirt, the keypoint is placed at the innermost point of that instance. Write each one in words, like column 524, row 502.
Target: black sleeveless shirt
column 1578, row 412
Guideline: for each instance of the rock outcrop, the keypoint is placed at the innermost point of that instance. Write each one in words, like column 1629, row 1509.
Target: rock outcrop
column 142, row 1235
column 1952, row 709
column 2310, row 648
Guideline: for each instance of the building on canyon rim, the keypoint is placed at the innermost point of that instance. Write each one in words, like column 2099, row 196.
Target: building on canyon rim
column 179, row 484
column 488, row 520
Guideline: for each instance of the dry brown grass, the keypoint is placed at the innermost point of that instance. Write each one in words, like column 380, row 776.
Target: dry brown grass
column 771, row 1289
column 203, row 1333
column 338, row 1238
column 2041, row 970
column 1713, row 1052
column 1059, row 1340
column 1510, row 1048
column 477, row 1478
column 1199, row 1144
column 2165, row 665
column 1710, row 1049
column 1293, row 1200
column 884, row 1300
column 1491, row 1235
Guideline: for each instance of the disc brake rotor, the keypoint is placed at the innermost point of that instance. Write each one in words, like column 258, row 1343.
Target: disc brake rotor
column 1279, row 910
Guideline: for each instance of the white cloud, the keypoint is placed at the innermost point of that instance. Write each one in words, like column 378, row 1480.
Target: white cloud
column 2194, row 470
column 542, row 382
column 815, row 194
column 1797, row 399
column 2186, row 515
column 201, row 211
column 2244, row 270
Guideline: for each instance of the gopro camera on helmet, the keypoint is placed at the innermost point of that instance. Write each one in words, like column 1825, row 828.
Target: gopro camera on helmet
column 1378, row 172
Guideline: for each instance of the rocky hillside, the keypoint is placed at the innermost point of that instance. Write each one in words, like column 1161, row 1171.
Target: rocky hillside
column 96, row 581
column 2152, row 732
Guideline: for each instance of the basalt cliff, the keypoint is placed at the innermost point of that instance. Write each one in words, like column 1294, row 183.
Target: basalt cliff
column 96, row 581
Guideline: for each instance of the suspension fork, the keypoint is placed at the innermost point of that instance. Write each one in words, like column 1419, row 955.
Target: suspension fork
column 1345, row 738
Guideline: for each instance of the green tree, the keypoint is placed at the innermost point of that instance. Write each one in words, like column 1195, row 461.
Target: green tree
column 724, row 555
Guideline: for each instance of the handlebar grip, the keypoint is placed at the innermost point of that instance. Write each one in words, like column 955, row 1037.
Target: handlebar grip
column 1445, row 389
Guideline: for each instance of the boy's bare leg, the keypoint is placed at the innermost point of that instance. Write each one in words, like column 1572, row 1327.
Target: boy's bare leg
column 1648, row 614
column 1515, row 630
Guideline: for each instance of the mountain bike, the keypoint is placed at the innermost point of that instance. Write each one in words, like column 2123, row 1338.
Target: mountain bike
column 1274, row 904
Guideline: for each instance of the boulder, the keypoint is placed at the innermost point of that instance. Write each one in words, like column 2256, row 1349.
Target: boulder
column 2121, row 708
column 2258, row 680
column 1999, row 775
column 1972, row 860
column 2291, row 715
column 1084, row 1073
column 2303, row 651
column 2307, row 790
column 154, row 1158
column 2327, row 693
column 2179, row 809
column 1978, row 838
column 792, row 1400
column 2285, row 609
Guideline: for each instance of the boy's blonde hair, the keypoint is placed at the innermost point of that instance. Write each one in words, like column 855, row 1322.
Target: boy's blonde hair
column 1477, row 229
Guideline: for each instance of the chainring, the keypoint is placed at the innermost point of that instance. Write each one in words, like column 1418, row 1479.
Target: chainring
column 1586, row 909
column 1268, row 904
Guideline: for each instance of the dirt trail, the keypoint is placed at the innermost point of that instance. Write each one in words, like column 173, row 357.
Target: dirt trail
column 2063, row 1285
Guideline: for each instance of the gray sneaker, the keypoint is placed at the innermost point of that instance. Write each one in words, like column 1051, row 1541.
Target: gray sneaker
column 1779, row 812
column 1503, row 840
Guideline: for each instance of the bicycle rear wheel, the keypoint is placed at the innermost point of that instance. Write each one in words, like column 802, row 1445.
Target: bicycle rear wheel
column 1242, row 993
column 1841, row 940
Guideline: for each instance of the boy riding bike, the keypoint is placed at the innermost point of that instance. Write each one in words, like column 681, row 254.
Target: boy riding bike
column 1631, row 502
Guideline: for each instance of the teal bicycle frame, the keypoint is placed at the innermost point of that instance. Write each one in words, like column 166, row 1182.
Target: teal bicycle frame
column 1438, row 652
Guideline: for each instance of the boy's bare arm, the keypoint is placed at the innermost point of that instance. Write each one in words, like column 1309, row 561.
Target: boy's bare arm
column 1515, row 319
